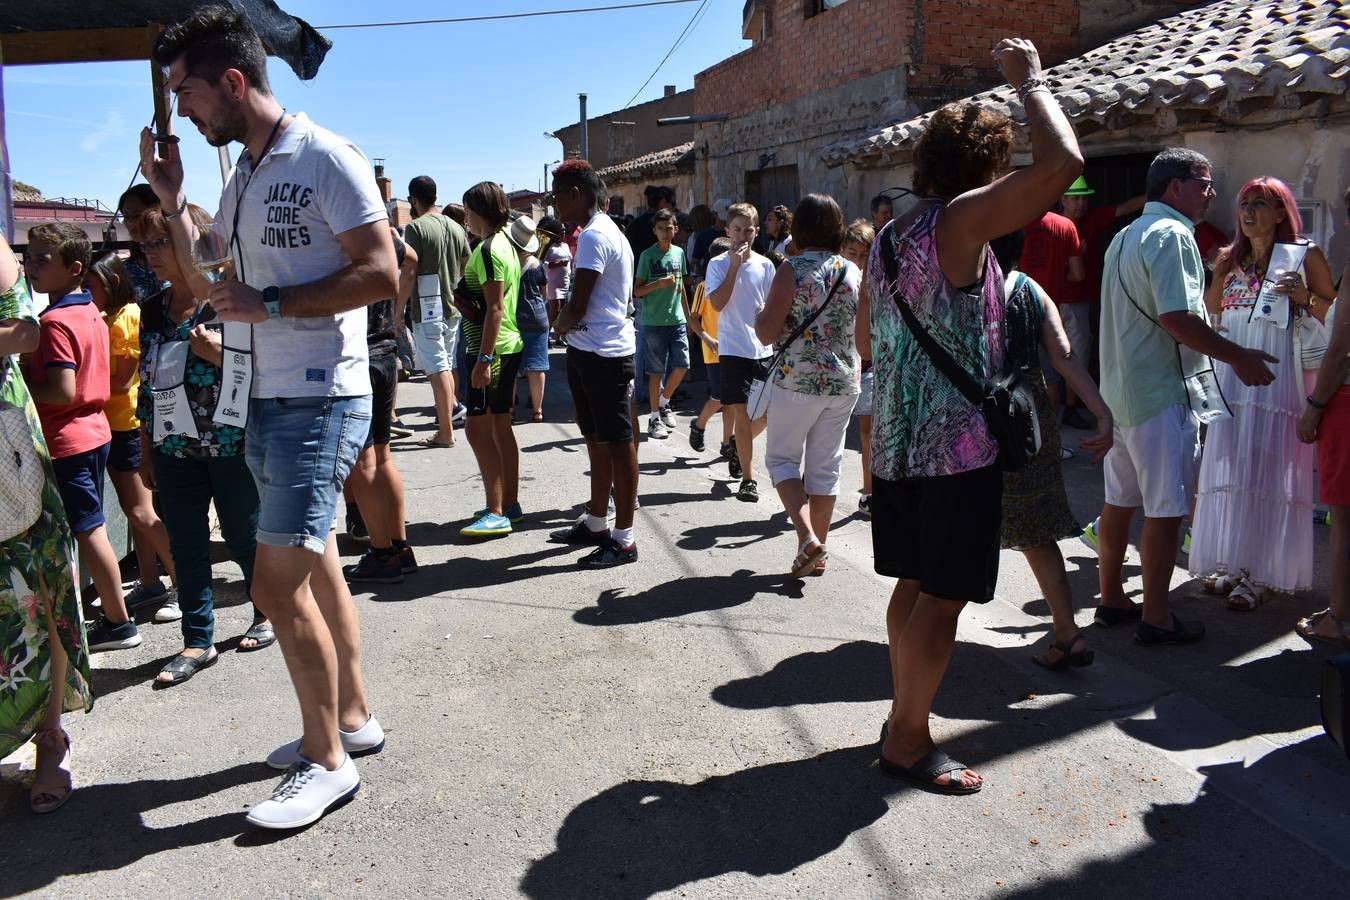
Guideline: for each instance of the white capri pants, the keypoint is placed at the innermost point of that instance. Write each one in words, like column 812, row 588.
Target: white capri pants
column 806, row 438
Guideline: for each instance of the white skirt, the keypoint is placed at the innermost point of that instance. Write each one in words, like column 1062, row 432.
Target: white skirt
column 1255, row 500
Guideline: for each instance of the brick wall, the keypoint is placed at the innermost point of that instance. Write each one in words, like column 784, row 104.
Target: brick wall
column 804, row 54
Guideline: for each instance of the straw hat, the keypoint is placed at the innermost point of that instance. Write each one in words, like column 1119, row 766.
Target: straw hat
column 521, row 233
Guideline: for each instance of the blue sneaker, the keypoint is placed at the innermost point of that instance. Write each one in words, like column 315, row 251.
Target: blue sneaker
column 512, row 512
column 487, row 525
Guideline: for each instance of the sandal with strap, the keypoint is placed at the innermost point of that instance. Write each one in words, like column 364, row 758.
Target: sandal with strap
column 933, row 764
column 1221, row 582
column 182, row 667
column 1067, row 657
column 805, row 561
column 1307, row 629
column 262, row 632
column 1246, row 596
column 50, row 792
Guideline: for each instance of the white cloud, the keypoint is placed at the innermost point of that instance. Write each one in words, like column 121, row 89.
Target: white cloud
column 114, row 126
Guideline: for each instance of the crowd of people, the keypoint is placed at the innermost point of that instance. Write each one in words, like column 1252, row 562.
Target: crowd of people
column 269, row 391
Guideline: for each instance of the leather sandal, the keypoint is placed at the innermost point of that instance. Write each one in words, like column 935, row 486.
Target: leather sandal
column 1067, row 657
column 809, row 554
column 182, row 667
column 51, row 791
column 262, row 632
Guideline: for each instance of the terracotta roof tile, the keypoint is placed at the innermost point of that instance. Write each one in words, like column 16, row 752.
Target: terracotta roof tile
column 1229, row 50
column 648, row 164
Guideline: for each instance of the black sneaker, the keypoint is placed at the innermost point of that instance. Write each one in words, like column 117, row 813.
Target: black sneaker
column 356, row 526
column 143, row 594
column 579, row 534
column 610, row 553
column 375, row 567
column 749, row 491
column 696, row 437
column 406, row 560
column 104, row 635
column 733, row 459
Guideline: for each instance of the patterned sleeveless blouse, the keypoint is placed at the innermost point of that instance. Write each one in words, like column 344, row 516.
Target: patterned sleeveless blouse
column 921, row 424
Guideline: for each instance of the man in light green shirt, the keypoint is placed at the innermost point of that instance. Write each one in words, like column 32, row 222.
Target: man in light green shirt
column 1153, row 301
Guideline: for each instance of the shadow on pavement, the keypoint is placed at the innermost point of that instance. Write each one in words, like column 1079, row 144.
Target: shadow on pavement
column 102, row 828
column 684, row 597
column 639, row 838
column 735, row 535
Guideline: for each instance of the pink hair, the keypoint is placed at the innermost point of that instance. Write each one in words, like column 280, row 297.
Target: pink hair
column 1278, row 192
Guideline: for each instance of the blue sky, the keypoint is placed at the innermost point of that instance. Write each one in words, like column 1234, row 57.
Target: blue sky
column 460, row 102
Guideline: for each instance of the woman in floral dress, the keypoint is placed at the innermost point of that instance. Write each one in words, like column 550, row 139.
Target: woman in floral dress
column 192, row 460
column 816, row 379
column 44, row 658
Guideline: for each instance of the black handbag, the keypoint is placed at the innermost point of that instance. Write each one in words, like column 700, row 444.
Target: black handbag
column 1336, row 699
column 1005, row 401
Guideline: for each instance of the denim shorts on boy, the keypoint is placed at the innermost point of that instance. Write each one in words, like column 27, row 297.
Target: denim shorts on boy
column 602, row 391
column 300, row 451
column 666, row 347
column 738, row 373
column 80, row 480
column 383, row 380
column 124, row 453
column 864, row 405
column 714, row 371
column 498, row 397
column 435, row 344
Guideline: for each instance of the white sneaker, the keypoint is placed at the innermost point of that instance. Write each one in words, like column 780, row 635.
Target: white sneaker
column 169, row 612
column 306, row 792
column 369, row 738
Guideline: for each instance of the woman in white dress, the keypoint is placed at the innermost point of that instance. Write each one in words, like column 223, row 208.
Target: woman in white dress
column 1252, row 534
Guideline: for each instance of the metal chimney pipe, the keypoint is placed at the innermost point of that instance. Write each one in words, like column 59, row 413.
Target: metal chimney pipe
column 585, row 131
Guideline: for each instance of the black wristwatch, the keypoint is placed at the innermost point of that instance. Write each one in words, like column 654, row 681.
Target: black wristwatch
column 1315, row 405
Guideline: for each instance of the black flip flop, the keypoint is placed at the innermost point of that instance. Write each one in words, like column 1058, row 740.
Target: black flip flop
column 922, row 773
column 1180, row 633
column 182, row 667
column 263, row 633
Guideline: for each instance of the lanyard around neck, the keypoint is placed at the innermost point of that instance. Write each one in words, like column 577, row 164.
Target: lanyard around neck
column 239, row 197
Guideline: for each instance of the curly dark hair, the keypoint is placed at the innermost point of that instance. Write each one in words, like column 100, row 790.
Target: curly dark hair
column 963, row 147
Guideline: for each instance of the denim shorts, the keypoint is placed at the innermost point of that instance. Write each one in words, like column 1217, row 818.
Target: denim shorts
column 435, row 343
column 666, row 346
column 80, row 480
column 300, row 451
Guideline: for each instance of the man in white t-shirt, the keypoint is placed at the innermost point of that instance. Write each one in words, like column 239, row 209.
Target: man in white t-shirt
column 601, row 344
column 737, row 285
column 310, row 241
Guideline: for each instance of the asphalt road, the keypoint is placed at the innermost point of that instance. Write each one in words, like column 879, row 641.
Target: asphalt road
column 700, row 724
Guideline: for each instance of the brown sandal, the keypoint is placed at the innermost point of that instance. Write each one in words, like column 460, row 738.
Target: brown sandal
column 50, row 793
column 1307, row 629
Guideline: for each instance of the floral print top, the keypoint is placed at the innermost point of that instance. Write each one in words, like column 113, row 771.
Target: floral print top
column 823, row 361
column 922, row 426
column 201, row 380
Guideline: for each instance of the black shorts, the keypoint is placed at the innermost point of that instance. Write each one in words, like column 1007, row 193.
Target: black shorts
column 602, row 390
column 499, row 396
column 737, row 374
column 124, row 453
column 383, row 380
column 942, row 531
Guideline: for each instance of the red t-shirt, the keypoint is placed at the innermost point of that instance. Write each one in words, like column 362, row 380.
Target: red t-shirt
column 1209, row 238
column 1092, row 231
column 1046, row 249
column 73, row 337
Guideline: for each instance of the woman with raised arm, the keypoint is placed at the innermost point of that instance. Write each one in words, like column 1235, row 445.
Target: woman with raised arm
column 44, row 659
column 936, row 490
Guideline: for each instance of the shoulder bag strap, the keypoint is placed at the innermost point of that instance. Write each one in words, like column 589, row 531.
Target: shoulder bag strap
column 962, row 380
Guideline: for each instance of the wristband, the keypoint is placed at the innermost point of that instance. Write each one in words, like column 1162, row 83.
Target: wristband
column 486, row 358
column 1315, row 405
column 169, row 217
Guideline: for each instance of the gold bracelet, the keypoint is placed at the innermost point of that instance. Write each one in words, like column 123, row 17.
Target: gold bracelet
column 1312, row 300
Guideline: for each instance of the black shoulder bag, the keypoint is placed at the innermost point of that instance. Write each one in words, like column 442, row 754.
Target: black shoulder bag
column 472, row 308
column 1005, row 401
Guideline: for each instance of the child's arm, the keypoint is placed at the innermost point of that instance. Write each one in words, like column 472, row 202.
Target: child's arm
column 58, row 389
column 121, row 372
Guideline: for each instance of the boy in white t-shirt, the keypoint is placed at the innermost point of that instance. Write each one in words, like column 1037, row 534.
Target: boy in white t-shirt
column 737, row 285
column 601, row 344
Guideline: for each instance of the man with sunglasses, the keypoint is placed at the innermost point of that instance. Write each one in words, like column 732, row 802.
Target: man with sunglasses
column 310, row 239
column 1152, row 307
